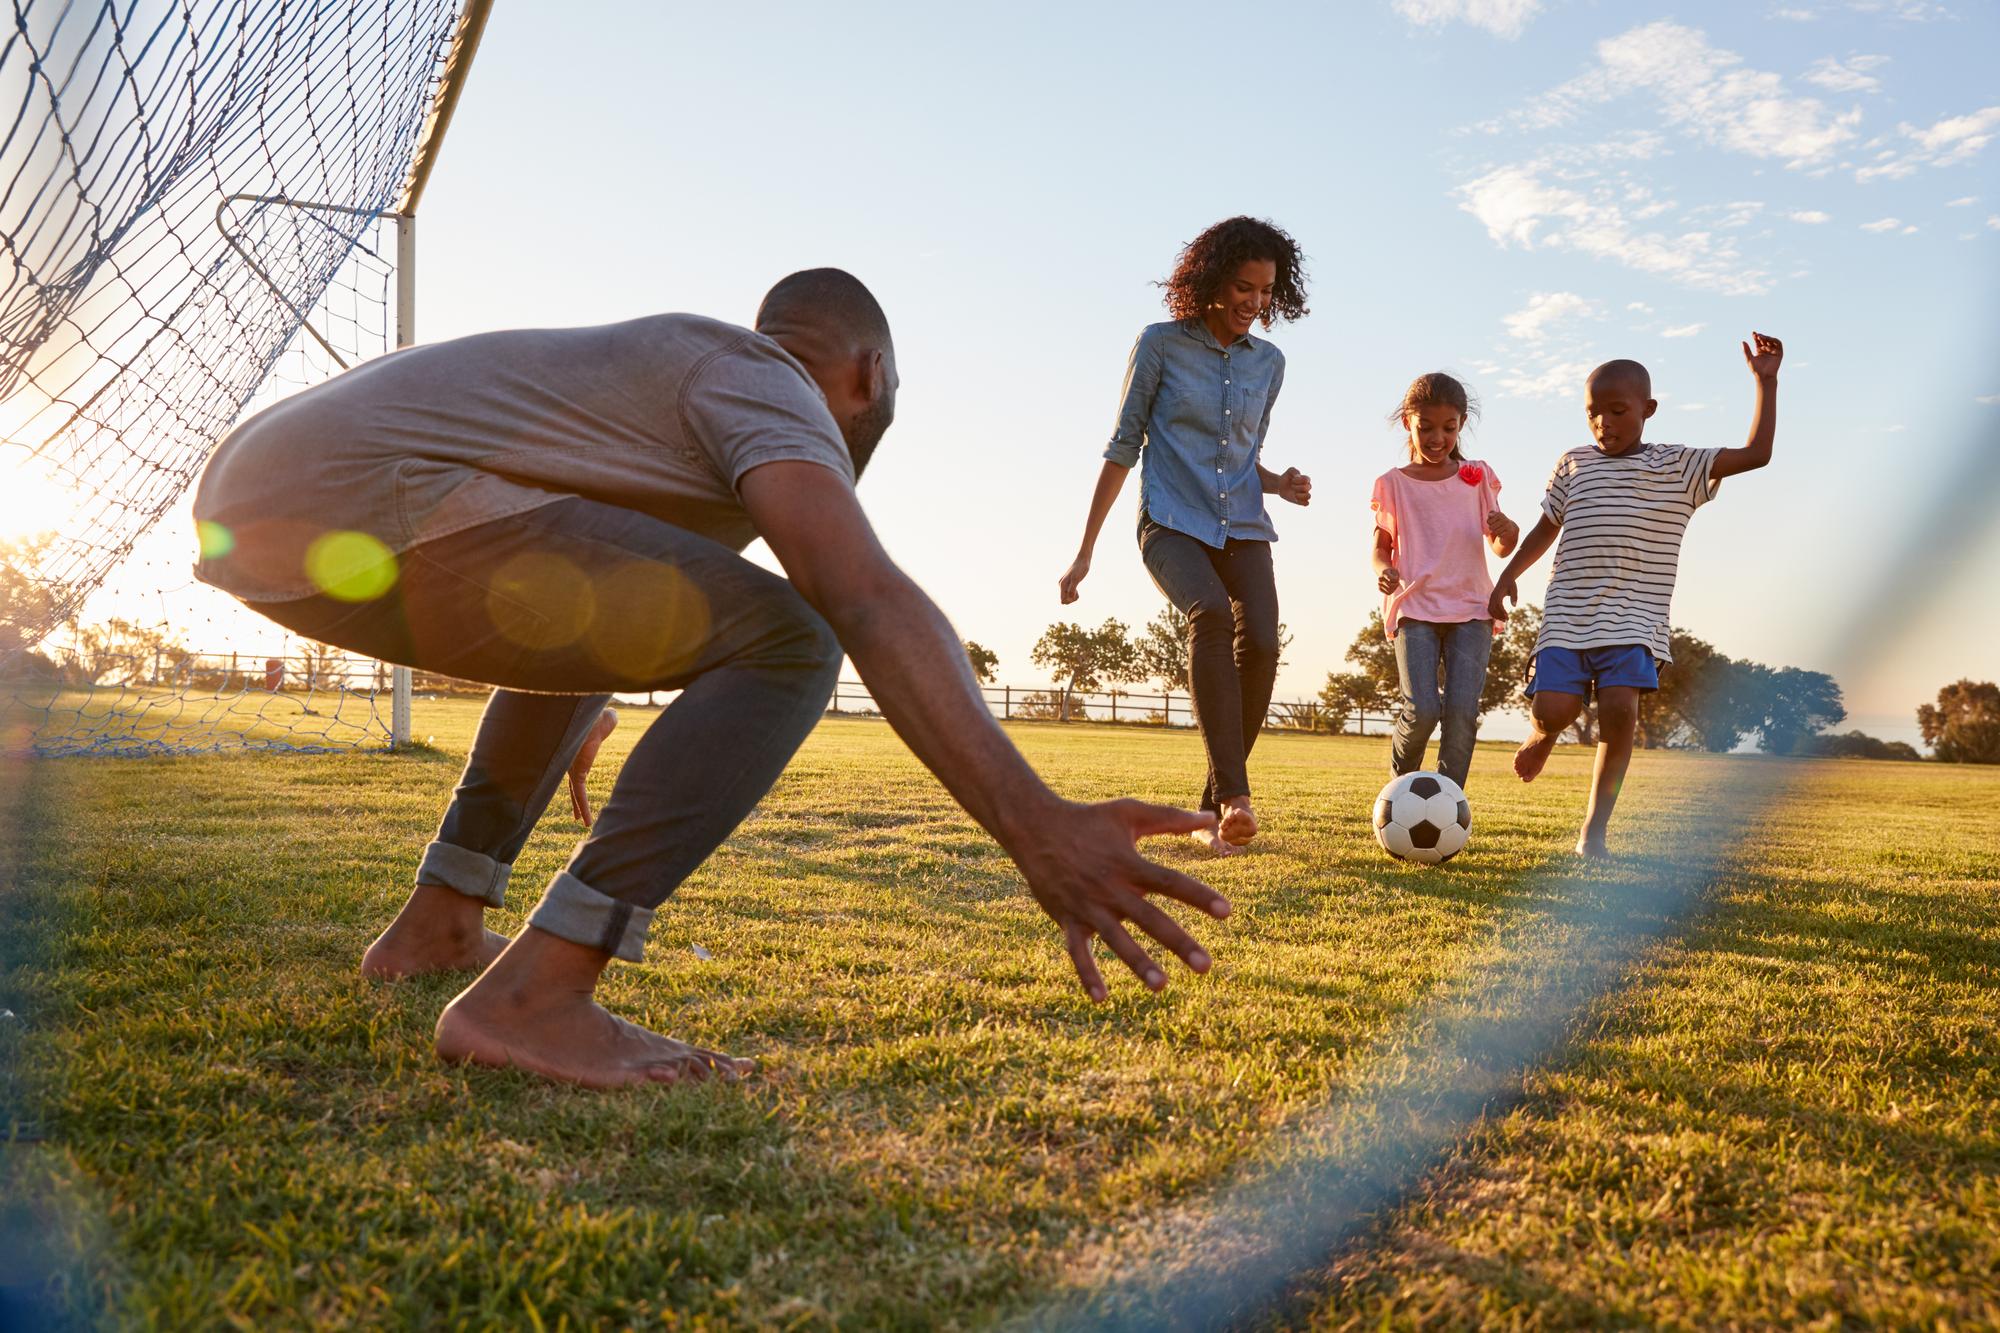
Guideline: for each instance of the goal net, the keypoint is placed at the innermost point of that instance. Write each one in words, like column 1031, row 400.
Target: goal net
column 201, row 204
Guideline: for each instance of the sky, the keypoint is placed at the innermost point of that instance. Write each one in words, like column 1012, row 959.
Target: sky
column 1512, row 190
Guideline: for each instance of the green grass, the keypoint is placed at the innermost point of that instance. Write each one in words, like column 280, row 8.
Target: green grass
column 1782, row 1112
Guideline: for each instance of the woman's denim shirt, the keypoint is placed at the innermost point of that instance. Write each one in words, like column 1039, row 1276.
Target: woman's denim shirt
column 1197, row 412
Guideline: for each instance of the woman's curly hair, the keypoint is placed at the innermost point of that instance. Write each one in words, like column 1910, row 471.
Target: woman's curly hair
column 1212, row 258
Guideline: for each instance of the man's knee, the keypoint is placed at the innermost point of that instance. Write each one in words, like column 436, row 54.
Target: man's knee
column 799, row 637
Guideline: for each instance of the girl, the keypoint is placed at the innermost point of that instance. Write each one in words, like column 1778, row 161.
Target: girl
column 1196, row 406
column 1430, row 516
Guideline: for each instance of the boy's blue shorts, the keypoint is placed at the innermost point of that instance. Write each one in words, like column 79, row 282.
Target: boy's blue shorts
column 1574, row 671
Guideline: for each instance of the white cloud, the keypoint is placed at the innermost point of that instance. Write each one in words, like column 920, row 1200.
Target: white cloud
column 1966, row 202
column 1849, row 76
column 1518, row 207
column 1950, row 141
column 1910, row 230
column 1705, row 90
column 1993, row 221
column 1682, row 331
column 1882, row 224
column 1810, row 216
column 1544, row 311
column 1549, row 379
column 1894, row 430
column 1502, row 18
column 1989, row 399
column 1690, row 407
column 1794, row 15
column 1641, row 307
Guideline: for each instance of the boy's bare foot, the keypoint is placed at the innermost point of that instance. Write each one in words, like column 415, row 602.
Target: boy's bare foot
column 1592, row 846
column 1238, row 824
column 533, row 1011
column 438, row 930
column 1533, row 754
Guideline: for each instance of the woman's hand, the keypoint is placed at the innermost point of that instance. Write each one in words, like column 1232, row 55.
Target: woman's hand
column 1072, row 577
column 1296, row 487
column 1389, row 580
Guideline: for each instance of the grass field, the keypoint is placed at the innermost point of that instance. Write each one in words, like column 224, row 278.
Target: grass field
column 1782, row 1111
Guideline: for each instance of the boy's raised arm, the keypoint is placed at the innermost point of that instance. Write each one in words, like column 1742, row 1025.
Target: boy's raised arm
column 1763, row 363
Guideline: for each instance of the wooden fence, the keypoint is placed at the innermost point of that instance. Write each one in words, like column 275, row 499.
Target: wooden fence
column 1014, row 703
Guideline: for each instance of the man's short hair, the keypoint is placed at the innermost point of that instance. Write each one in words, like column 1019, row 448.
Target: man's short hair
column 828, row 299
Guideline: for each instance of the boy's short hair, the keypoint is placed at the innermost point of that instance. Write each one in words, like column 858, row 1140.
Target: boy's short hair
column 1623, row 371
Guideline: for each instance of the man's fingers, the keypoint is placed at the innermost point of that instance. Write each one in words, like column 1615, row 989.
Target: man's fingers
column 1129, row 953
column 1076, row 942
column 1168, row 932
column 1147, row 820
column 1152, row 877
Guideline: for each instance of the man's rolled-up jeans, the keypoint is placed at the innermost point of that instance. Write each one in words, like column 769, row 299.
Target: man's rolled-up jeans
column 561, row 607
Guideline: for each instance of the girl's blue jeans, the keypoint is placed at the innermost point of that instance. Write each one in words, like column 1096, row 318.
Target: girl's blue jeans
column 1443, row 670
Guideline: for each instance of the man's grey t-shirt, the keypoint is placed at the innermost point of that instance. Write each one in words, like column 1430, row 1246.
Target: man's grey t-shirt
column 663, row 415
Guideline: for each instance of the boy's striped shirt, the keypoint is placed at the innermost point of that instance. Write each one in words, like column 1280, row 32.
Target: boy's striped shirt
column 1622, row 519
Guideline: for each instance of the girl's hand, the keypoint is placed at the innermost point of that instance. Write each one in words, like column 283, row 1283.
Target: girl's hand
column 1765, row 360
column 1295, row 486
column 1072, row 577
column 1504, row 528
column 1504, row 592
column 1389, row 580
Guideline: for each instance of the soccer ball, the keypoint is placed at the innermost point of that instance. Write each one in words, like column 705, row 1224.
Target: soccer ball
column 1422, row 817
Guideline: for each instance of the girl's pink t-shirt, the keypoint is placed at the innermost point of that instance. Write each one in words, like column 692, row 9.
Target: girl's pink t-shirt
column 1437, row 532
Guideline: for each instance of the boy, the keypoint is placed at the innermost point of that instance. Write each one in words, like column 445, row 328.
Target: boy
column 1621, row 509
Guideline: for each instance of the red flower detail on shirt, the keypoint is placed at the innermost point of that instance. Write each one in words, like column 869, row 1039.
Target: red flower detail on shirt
column 1472, row 474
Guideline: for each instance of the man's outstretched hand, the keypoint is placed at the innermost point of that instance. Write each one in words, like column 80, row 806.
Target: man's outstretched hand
column 1084, row 868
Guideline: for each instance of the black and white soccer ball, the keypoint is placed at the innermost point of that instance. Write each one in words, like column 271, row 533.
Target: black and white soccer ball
column 1422, row 817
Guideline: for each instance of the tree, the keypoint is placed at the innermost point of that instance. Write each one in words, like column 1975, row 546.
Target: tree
column 1347, row 693
column 126, row 652
column 1793, row 705
column 1162, row 649
column 25, row 604
column 1507, row 668
column 1376, row 656
column 1081, row 659
column 985, row 662
column 1859, row 745
column 1963, row 727
column 1707, row 699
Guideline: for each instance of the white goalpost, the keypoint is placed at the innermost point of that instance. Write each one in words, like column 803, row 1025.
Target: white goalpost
column 208, row 204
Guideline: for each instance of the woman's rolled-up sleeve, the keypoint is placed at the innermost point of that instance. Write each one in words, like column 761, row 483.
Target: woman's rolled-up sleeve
column 1135, row 402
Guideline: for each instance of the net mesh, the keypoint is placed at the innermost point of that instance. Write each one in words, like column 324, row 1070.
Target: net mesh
column 192, row 201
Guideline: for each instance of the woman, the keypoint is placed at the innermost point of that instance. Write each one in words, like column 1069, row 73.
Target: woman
column 1198, row 397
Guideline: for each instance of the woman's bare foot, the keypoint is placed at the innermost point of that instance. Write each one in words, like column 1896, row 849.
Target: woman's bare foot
column 1238, row 824
column 1211, row 840
column 1533, row 754
column 438, row 930
column 529, row 1012
column 1592, row 845
column 586, row 755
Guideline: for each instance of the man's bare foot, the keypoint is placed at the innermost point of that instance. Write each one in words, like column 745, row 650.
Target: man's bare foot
column 586, row 755
column 1211, row 840
column 438, row 930
column 1533, row 754
column 529, row 1012
column 1592, row 846
column 1238, row 824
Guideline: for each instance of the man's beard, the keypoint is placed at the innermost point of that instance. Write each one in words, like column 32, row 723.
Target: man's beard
column 867, row 430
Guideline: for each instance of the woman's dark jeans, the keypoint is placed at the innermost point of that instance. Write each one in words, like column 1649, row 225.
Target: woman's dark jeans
column 561, row 607
column 1230, row 598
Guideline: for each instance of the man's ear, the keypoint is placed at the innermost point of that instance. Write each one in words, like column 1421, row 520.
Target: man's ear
column 871, row 375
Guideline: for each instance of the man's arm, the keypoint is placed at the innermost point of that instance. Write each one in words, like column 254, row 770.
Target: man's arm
column 1532, row 547
column 1291, row 484
column 1081, row 861
column 1763, row 363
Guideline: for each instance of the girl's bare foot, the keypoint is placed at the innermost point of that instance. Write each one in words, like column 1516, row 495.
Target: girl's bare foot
column 1238, row 824
column 438, row 930
column 1534, row 753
